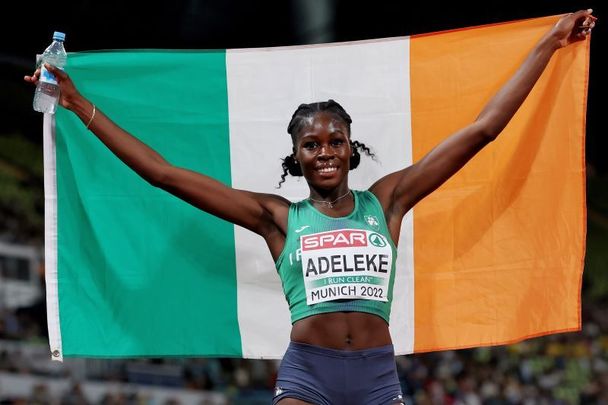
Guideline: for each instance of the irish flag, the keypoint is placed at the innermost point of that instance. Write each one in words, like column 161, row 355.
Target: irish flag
column 493, row 256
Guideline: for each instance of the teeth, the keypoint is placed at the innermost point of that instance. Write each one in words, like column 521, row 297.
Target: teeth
column 328, row 169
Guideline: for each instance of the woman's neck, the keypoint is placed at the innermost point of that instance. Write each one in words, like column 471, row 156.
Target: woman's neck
column 329, row 195
column 331, row 199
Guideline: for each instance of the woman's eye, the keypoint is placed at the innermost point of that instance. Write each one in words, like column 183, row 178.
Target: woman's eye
column 337, row 142
column 309, row 145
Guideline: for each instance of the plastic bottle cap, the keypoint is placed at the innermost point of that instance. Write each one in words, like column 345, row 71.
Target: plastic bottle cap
column 59, row 36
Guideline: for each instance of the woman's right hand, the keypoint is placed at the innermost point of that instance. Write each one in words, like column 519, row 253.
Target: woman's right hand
column 573, row 27
column 68, row 92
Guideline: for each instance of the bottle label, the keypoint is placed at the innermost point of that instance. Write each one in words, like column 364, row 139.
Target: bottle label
column 46, row 76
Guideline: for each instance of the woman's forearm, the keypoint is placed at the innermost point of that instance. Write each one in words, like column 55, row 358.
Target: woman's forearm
column 503, row 106
column 144, row 160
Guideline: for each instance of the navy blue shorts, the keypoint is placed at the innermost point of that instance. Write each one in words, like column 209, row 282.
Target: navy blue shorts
column 324, row 376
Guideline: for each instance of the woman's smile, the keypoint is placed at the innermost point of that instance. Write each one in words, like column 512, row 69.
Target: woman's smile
column 327, row 169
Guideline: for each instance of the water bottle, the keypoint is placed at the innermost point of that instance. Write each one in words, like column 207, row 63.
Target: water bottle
column 47, row 89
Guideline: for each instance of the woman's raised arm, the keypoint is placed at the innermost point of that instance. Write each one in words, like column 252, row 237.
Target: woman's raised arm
column 264, row 214
column 400, row 191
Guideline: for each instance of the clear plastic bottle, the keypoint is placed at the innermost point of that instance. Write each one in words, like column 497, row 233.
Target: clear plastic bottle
column 47, row 90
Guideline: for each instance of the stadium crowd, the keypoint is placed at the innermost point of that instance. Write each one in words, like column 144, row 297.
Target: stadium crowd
column 565, row 368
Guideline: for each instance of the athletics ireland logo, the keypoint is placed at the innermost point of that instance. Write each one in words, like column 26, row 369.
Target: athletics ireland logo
column 372, row 221
column 377, row 240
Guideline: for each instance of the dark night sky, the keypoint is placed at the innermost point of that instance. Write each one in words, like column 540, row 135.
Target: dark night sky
column 207, row 24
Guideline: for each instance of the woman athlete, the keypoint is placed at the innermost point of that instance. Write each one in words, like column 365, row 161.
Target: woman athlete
column 341, row 350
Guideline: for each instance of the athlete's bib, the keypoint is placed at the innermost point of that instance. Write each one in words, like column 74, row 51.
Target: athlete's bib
column 346, row 264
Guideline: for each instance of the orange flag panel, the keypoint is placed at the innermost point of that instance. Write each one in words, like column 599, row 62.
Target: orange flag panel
column 499, row 248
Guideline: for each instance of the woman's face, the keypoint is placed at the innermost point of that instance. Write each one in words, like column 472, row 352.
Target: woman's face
column 323, row 150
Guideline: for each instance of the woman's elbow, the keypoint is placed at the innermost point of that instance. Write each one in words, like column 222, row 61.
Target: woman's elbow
column 488, row 130
column 158, row 177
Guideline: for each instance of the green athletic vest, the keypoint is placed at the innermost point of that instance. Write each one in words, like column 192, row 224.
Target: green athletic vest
column 338, row 264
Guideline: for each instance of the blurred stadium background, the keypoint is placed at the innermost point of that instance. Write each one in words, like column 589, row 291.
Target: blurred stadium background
column 567, row 368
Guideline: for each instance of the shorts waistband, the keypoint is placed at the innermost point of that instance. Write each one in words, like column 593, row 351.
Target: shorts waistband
column 350, row 354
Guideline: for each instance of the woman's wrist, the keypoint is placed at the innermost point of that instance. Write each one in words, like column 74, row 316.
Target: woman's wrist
column 551, row 42
column 83, row 108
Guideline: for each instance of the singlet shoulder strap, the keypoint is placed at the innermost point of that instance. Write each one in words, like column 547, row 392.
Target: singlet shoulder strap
column 370, row 198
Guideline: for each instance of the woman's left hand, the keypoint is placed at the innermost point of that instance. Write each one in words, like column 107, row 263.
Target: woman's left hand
column 573, row 27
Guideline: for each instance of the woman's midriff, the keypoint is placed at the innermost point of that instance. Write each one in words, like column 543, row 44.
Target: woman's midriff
column 342, row 331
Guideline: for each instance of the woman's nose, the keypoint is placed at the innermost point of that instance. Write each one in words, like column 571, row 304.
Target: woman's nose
column 326, row 151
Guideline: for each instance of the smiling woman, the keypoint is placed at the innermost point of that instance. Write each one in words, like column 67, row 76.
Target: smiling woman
column 335, row 251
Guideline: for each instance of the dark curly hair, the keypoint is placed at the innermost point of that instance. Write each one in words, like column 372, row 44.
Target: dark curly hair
column 300, row 118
